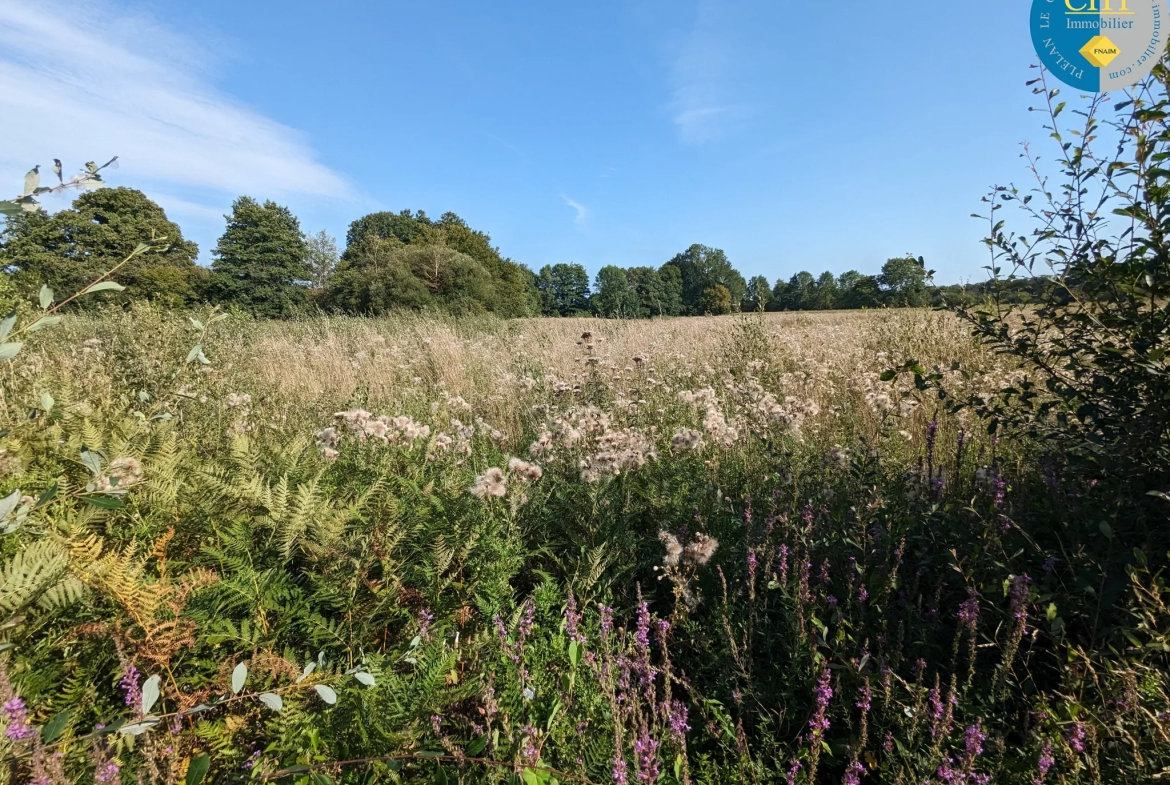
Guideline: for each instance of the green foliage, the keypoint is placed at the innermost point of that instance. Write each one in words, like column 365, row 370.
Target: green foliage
column 70, row 248
column 903, row 282
column 719, row 583
column 1094, row 384
column 614, row 298
column 564, row 290
column 715, row 300
column 379, row 275
column 488, row 281
column 700, row 268
column 321, row 257
column 758, row 294
column 259, row 261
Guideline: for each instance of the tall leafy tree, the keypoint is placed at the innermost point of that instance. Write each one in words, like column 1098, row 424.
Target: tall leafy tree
column 716, row 300
column 824, row 292
column 701, row 268
column 260, row 260
column 514, row 289
column 650, row 291
column 758, row 293
column 857, row 291
column 779, row 300
column 70, row 248
column 903, row 282
column 798, row 295
column 321, row 257
column 564, row 289
column 672, row 290
column 613, row 296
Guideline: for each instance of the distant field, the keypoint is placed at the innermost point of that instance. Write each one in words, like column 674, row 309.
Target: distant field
column 504, row 371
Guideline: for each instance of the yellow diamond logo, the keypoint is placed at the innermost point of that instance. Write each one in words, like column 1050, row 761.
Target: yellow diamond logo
column 1100, row 51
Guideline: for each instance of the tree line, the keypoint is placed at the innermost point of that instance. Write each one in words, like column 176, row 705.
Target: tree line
column 265, row 264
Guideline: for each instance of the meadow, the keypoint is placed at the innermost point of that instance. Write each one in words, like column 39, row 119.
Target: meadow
column 434, row 549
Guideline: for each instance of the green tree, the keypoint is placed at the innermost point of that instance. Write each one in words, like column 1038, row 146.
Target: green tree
column 70, row 248
column 779, row 299
column 378, row 275
column 903, row 282
column 672, row 290
column 321, row 258
column 650, row 290
column 858, row 291
column 564, row 289
column 701, row 268
column 514, row 288
column 613, row 297
column 260, row 260
column 758, row 293
column 798, row 294
column 716, row 300
column 824, row 292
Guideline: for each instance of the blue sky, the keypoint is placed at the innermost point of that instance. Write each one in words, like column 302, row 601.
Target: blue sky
column 792, row 135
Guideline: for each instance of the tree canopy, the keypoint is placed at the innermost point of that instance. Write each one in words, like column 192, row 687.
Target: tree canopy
column 495, row 283
column 69, row 249
column 260, row 260
column 564, row 289
column 701, row 268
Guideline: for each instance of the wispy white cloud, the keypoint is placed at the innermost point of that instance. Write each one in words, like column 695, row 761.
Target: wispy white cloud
column 582, row 212
column 708, row 103
column 82, row 80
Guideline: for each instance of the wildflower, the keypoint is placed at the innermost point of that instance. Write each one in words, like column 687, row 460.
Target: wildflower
column 853, row 774
column 642, row 631
column 862, row 594
column 839, row 457
column 973, row 739
column 132, row 691
column 936, row 712
column 794, row 766
column 573, row 620
column 121, row 473
column 237, row 401
column 1050, row 563
column 686, row 439
column 823, row 693
column 606, row 614
column 527, row 619
column 1000, row 487
column 108, row 771
column 425, row 617
column 676, row 716
column 16, row 714
column 490, row 483
column 1018, row 597
column 968, row 613
column 529, row 471
column 619, row 772
column 1044, row 764
column 528, row 752
column 646, row 757
column 673, row 548
column 701, row 549
column 865, row 697
column 783, row 556
column 1076, row 737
